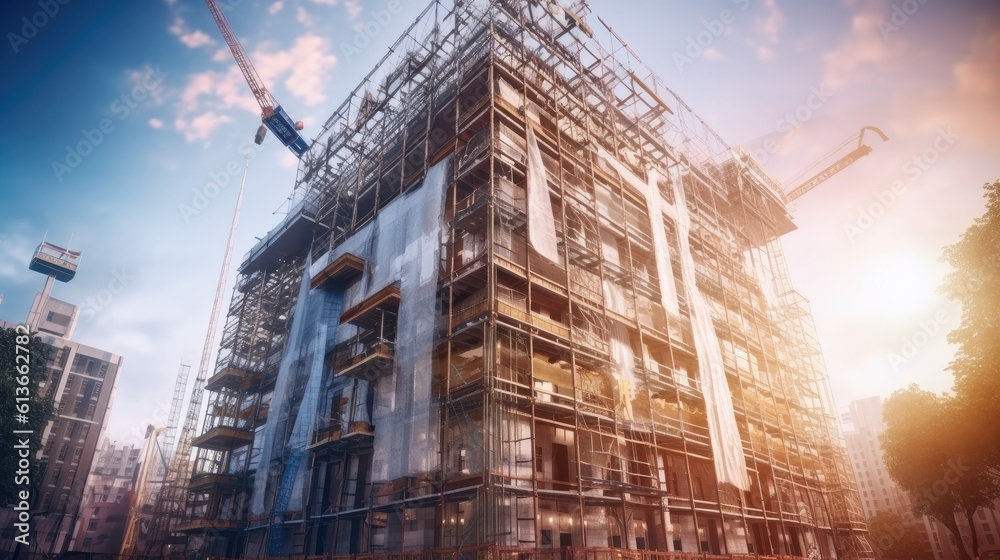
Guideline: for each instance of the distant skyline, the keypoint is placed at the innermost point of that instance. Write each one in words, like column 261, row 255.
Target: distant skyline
column 124, row 123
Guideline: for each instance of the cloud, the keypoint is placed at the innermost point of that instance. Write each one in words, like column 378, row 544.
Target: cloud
column 306, row 63
column 354, row 8
column 16, row 251
column 139, row 79
column 210, row 95
column 190, row 38
column 978, row 76
column 968, row 101
column 222, row 54
column 770, row 25
column 303, row 16
column 156, row 123
column 712, row 53
column 862, row 49
column 288, row 160
column 275, row 7
column 768, row 29
column 201, row 126
column 196, row 38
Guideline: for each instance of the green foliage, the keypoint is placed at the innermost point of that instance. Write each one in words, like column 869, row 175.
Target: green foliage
column 944, row 451
column 39, row 411
column 975, row 283
column 930, row 450
column 895, row 539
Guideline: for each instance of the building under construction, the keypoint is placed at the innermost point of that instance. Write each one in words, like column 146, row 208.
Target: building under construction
column 525, row 303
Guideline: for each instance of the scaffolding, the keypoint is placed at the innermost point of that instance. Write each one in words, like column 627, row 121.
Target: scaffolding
column 567, row 322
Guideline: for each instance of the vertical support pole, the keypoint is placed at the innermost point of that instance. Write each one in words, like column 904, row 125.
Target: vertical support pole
column 35, row 316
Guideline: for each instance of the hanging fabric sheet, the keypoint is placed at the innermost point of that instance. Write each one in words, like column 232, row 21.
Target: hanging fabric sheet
column 727, row 447
column 541, row 224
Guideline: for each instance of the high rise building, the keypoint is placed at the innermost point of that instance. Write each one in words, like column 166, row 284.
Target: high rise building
column 105, row 507
column 80, row 381
column 526, row 300
column 879, row 493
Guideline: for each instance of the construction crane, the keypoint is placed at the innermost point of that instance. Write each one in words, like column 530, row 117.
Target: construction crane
column 861, row 151
column 137, row 519
column 272, row 115
column 171, row 509
column 140, row 493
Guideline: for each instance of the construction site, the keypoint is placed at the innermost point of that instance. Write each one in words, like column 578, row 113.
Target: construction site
column 525, row 305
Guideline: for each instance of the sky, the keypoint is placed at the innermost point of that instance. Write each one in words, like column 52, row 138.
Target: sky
column 120, row 117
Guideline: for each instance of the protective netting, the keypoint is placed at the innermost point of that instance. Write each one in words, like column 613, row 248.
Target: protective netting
column 402, row 246
column 295, row 403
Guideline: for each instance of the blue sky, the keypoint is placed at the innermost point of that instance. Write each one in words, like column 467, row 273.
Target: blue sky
column 175, row 112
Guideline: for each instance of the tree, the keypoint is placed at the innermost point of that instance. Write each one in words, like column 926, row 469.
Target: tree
column 15, row 349
column 895, row 539
column 975, row 283
column 944, row 451
column 930, row 447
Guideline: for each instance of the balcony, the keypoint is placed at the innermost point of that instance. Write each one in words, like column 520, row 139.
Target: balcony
column 206, row 481
column 367, row 356
column 231, row 377
column 533, row 319
column 335, row 439
column 374, row 310
column 343, row 270
column 206, row 525
column 221, row 438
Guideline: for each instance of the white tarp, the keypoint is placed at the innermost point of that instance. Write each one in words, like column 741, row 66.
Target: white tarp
column 757, row 263
column 661, row 248
column 541, row 224
column 727, row 448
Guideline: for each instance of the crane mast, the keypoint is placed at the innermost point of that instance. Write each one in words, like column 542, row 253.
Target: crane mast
column 148, row 470
column 272, row 115
column 171, row 508
column 140, row 493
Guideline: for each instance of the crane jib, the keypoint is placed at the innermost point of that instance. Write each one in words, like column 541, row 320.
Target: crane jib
column 822, row 176
column 282, row 126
